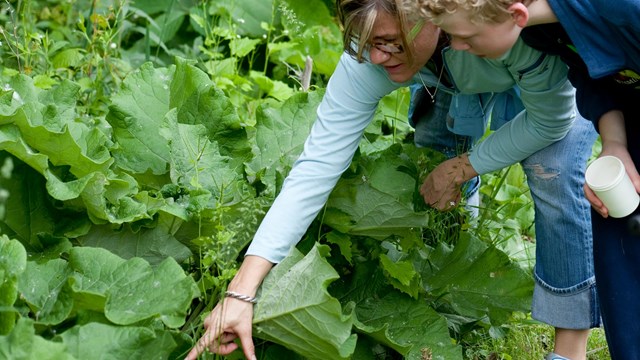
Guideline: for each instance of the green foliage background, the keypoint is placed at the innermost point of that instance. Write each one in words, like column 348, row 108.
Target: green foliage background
column 141, row 142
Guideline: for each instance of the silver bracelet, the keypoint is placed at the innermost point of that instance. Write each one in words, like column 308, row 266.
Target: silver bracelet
column 242, row 297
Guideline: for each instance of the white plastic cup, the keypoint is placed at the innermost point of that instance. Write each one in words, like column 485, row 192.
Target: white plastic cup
column 608, row 179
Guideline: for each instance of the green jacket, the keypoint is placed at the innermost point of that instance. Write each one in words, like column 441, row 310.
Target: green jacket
column 546, row 93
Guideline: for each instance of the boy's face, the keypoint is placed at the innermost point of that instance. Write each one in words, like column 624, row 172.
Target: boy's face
column 490, row 40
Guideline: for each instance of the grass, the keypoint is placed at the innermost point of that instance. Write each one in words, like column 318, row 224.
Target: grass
column 528, row 341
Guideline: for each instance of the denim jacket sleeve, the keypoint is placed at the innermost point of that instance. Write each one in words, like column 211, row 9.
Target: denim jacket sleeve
column 504, row 107
column 545, row 92
column 470, row 114
column 347, row 107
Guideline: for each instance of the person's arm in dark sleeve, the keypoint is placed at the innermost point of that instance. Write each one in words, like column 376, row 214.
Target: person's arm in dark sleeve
column 594, row 97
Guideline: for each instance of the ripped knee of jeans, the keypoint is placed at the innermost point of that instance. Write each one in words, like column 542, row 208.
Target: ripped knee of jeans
column 540, row 172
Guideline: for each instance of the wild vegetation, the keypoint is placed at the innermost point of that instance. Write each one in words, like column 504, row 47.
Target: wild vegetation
column 141, row 142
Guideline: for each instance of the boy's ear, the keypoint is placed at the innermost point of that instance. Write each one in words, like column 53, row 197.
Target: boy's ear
column 519, row 13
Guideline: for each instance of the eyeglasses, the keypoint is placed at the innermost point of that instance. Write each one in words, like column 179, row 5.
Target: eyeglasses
column 393, row 48
column 390, row 48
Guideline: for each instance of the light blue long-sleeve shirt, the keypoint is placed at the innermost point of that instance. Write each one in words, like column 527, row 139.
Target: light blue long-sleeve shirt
column 348, row 106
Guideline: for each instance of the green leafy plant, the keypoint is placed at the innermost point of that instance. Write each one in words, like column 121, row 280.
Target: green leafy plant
column 135, row 179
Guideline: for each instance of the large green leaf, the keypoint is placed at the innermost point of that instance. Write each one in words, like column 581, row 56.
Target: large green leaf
column 249, row 15
column 116, row 343
column 44, row 287
column 477, row 280
column 324, row 50
column 114, row 199
column 154, row 244
column 196, row 163
column 376, row 200
column 188, row 81
column 27, row 209
column 380, row 196
column 273, row 88
column 295, row 310
column 13, row 258
column 136, row 114
column 13, row 262
column 11, row 140
column 9, row 102
column 280, row 136
column 133, row 289
column 23, row 344
column 47, row 123
column 69, row 58
column 396, row 320
column 199, row 102
column 307, row 13
column 409, row 326
column 106, row 196
column 165, row 27
column 45, row 132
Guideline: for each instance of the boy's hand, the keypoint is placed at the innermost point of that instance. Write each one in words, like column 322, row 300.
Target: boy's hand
column 442, row 187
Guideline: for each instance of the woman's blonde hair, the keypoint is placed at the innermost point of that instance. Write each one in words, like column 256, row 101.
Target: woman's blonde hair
column 357, row 18
column 481, row 11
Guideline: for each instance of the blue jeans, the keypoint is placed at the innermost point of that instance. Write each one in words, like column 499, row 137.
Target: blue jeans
column 564, row 292
column 617, row 264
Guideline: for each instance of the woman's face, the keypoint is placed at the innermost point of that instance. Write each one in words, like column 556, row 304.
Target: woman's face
column 387, row 31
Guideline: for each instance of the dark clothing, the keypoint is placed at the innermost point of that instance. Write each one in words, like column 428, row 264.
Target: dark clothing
column 606, row 33
column 617, row 265
column 593, row 96
column 614, row 56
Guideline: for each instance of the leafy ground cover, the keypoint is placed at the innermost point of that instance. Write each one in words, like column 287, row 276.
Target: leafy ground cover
column 142, row 142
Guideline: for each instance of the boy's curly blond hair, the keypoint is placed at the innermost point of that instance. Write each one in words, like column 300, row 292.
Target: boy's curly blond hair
column 481, row 11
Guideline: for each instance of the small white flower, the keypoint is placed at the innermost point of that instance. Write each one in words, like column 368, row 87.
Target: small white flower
column 113, row 45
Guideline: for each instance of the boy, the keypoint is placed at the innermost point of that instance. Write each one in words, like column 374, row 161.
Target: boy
column 600, row 41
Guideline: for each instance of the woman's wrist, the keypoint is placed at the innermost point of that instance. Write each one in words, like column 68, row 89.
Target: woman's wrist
column 242, row 297
column 250, row 275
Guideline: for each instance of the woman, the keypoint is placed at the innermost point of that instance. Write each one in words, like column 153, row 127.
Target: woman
column 384, row 51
